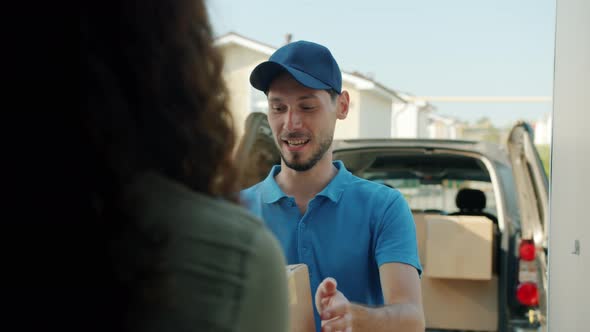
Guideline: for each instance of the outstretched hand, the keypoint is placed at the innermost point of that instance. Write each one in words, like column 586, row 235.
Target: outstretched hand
column 333, row 307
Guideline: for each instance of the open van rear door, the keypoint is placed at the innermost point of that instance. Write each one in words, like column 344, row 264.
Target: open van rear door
column 256, row 152
column 531, row 189
column 531, row 184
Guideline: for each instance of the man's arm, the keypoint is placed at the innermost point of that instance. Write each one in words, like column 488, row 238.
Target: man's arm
column 403, row 302
column 402, row 311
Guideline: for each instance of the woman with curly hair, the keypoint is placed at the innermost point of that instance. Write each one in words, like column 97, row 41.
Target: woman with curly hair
column 173, row 249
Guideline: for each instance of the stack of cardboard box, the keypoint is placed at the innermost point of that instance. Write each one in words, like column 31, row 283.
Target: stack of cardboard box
column 459, row 289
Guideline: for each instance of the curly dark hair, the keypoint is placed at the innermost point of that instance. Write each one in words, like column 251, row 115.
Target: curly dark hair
column 156, row 97
column 156, row 101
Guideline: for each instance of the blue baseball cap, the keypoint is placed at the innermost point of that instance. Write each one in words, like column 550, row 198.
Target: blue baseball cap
column 309, row 63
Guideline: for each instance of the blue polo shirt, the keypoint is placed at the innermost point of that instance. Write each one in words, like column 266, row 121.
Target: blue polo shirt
column 350, row 228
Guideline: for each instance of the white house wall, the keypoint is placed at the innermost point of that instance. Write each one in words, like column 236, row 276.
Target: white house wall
column 405, row 121
column 375, row 116
column 238, row 64
column 437, row 129
column 349, row 127
column 422, row 124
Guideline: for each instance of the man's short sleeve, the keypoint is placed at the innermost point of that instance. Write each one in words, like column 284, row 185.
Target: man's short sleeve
column 395, row 237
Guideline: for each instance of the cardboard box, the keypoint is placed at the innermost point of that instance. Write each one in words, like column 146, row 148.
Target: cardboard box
column 460, row 304
column 420, row 221
column 300, row 302
column 458, row 247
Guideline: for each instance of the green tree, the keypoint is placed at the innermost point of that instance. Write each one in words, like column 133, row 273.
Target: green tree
column 545, row 155
column 484, row 121
column 492, row 135
column 488, row 131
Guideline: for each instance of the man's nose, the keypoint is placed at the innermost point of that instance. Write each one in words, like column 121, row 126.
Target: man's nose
column 293, row 120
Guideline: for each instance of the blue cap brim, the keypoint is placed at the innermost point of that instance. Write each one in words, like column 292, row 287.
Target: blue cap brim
column 263, row 75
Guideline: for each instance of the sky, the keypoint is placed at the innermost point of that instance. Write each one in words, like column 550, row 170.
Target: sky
column 422, row 47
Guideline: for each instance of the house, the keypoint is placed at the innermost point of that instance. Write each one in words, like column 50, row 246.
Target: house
column 410, row 117
column 370, row 113
column 443, row 127
column 371, row 102
column 240, row 56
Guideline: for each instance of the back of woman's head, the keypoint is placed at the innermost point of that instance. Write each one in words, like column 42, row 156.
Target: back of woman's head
column 156, row 98
column 156, row 102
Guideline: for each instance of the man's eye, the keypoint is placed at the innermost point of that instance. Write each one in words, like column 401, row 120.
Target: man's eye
column 308, row 107
column 278, row 108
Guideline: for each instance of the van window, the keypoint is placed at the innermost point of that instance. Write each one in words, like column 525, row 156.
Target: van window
column 439, row 196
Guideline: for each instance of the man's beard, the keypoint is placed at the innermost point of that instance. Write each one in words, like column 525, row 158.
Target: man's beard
column 317, row 156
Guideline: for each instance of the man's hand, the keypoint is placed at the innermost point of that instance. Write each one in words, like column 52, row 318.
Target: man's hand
column 333, row 307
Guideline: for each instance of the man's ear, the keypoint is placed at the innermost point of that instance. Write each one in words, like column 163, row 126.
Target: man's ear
column 343, row 105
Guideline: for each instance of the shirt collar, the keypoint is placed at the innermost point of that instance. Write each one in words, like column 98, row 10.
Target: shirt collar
column 271, row 192
column 334, row 189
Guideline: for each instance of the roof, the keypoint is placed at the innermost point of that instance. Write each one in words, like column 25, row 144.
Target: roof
column 361, row 82
column 411, row 99
column 490, row 150
column 234, row 38
column 357, row 80
column 444, row 119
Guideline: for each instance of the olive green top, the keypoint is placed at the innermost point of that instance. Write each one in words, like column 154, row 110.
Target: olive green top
column 224, row 270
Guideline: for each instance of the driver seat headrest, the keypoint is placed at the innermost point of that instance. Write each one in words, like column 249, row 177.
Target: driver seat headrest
column 470, row 199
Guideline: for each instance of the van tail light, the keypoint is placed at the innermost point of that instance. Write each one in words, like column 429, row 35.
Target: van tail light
column 527, row 250
column 528, row 294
